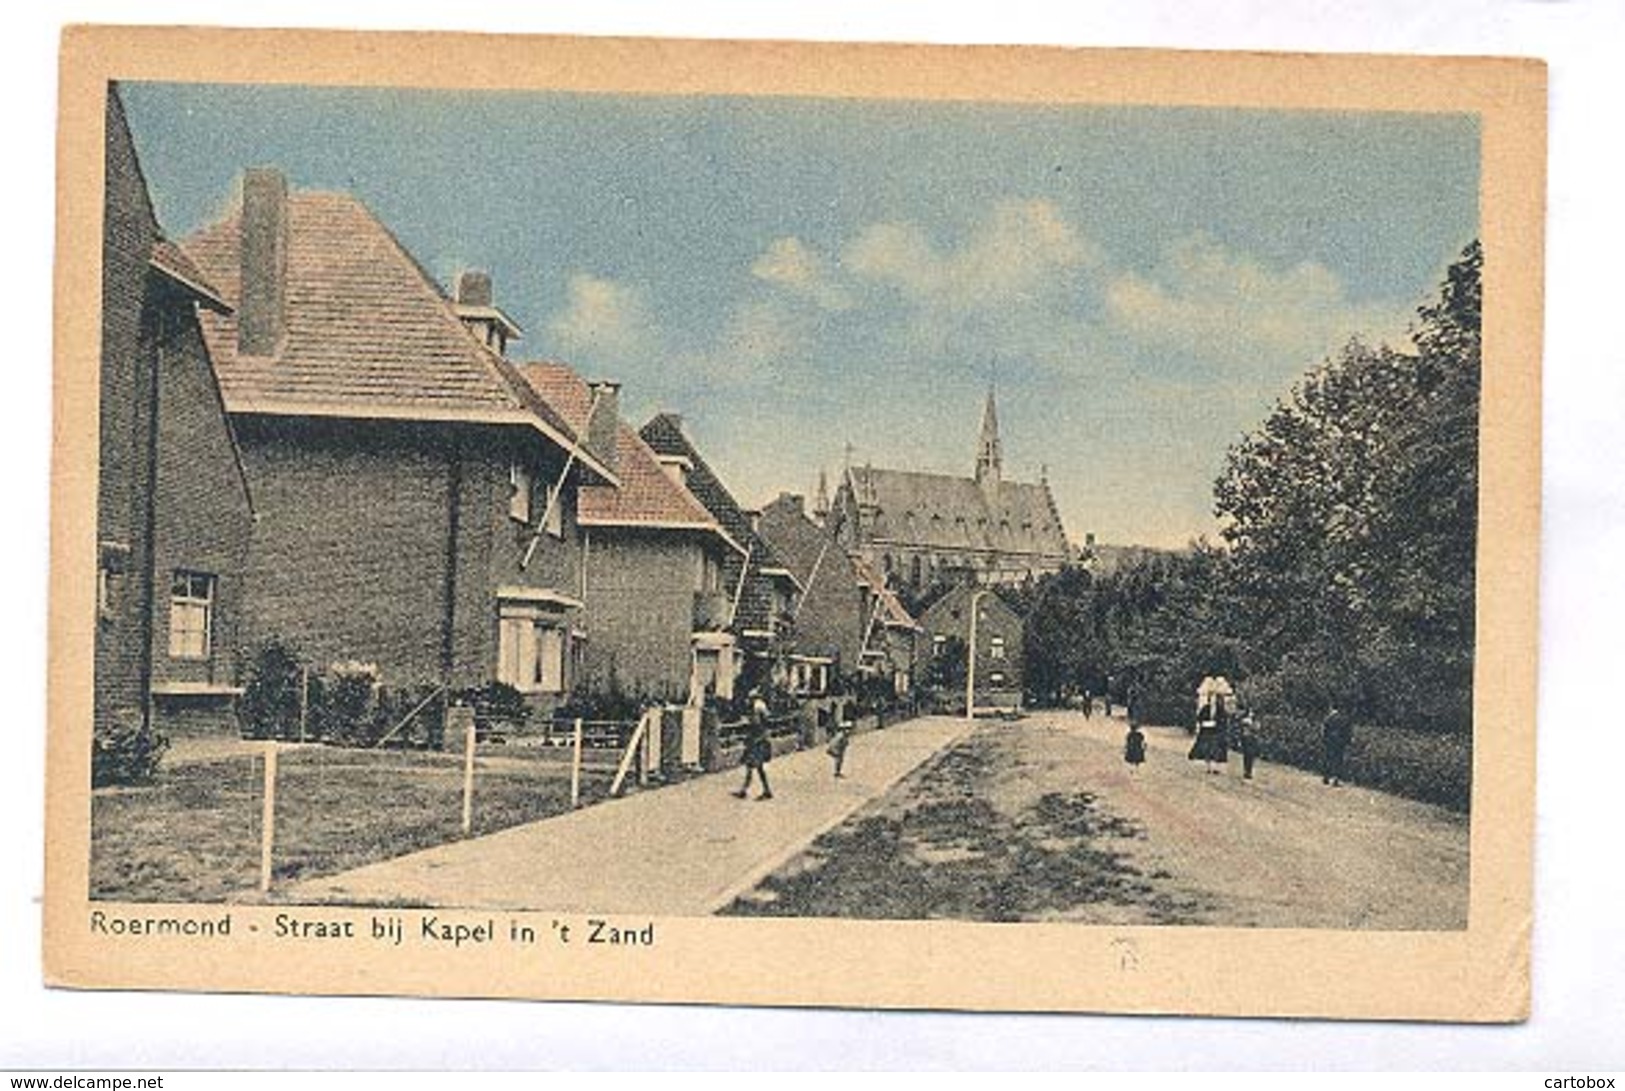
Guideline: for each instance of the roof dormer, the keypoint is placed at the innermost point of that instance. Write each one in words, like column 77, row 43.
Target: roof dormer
column 483, row 319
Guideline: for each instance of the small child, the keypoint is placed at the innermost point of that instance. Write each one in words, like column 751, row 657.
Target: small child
column 838, row 743
column 1134, row 748
column 1247, row 743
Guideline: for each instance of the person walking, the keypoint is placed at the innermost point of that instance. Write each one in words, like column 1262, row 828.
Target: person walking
column 1247, row 743
column 1212, row 725
column 1335, row 736
column 1134, row 748
column 838, row 743
column 758, row 748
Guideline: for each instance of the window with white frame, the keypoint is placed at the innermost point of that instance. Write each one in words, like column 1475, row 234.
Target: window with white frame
column 531, row 652
column 519, row 498
column 104, row 593
column 112, row 561
column 191, row 609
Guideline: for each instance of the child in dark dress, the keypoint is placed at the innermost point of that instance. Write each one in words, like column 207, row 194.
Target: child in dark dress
column 838, row 743
column 1134, row 748
column 1247, row 743
column 758, row 749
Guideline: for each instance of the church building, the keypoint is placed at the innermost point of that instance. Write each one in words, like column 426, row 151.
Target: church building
column 922, row 528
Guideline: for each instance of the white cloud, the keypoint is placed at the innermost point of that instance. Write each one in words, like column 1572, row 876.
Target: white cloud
column 790, row 264
column 1019, row 252
column 602, row 318
column 1212, row 303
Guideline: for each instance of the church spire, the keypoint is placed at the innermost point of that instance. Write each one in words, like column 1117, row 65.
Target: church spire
column 989, row 455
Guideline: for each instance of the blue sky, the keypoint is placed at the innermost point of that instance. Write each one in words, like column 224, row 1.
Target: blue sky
column 793, row 274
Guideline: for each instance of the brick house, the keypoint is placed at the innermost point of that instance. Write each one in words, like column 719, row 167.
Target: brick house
column 173, row 514
column 837, row 601
column 762, row 587
column 998, row 649
column 653, row 559
column 416, row 499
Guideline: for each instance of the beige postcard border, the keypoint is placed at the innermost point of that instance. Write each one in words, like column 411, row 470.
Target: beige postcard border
column 1480, row 974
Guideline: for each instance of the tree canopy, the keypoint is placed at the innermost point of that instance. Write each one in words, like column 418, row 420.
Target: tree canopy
column 1346, row 566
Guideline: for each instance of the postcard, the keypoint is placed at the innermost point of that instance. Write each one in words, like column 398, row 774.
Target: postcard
column 877, row 526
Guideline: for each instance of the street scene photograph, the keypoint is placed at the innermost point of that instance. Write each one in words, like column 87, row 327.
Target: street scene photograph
column 786, row 507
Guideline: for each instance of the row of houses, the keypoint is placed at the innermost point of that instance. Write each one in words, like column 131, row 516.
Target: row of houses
column 305, row 439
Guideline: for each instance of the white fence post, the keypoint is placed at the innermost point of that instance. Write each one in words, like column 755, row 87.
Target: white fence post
column 267, row 815
column 468, row 772
column 632, row 752
column 304, row 700
column 575, row 767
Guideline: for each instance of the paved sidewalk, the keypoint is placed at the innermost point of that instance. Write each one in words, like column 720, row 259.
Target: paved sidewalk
column 683, row 850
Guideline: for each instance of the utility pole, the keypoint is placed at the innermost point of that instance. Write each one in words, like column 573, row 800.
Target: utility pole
column 970, row 655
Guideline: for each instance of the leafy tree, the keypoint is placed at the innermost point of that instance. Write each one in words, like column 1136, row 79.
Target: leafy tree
column 1165, row 620
column 1351, row 520
column 1064, row 652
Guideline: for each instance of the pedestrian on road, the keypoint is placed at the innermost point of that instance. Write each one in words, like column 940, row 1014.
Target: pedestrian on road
column 1335, row 736
column 1134, row 748
column 1088, row 704
column 1247, row 743
column 838, row 743
column 1211, row 728
column 758, row 747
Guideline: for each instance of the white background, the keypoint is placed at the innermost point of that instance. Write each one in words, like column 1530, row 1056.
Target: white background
column 1579, row 962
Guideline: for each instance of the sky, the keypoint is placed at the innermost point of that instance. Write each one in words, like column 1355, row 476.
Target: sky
column 793, row 275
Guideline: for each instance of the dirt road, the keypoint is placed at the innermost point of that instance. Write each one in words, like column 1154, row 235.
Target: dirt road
column 1041, row 819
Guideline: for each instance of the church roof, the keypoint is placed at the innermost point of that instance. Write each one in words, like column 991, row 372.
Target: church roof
column 946, row 512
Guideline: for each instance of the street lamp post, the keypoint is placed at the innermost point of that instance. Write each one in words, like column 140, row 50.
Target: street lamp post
column 970, row 655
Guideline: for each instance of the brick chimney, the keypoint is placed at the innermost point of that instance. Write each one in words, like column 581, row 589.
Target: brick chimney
column 482, row 317
column 474, row 288
column 262, row 312
column 605, row 423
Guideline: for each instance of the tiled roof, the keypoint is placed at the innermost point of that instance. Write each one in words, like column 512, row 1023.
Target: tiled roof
column 173, row 262
column 664, row 435
column 939, row 614
column 946, row 512
column 892, row 610
column 368, row 332
column 828, row 577
column 647, row 495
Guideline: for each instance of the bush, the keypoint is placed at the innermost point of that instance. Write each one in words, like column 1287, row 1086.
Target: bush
column 125, row 753
column 499, row 708
column 875, row 693
column 1426, row 766
column 269, row 708
column 343, row 707
column 612, row 705
column 425, row 703
column 1166, row 706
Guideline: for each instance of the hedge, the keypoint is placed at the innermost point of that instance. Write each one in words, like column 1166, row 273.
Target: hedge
column 1431, row 767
